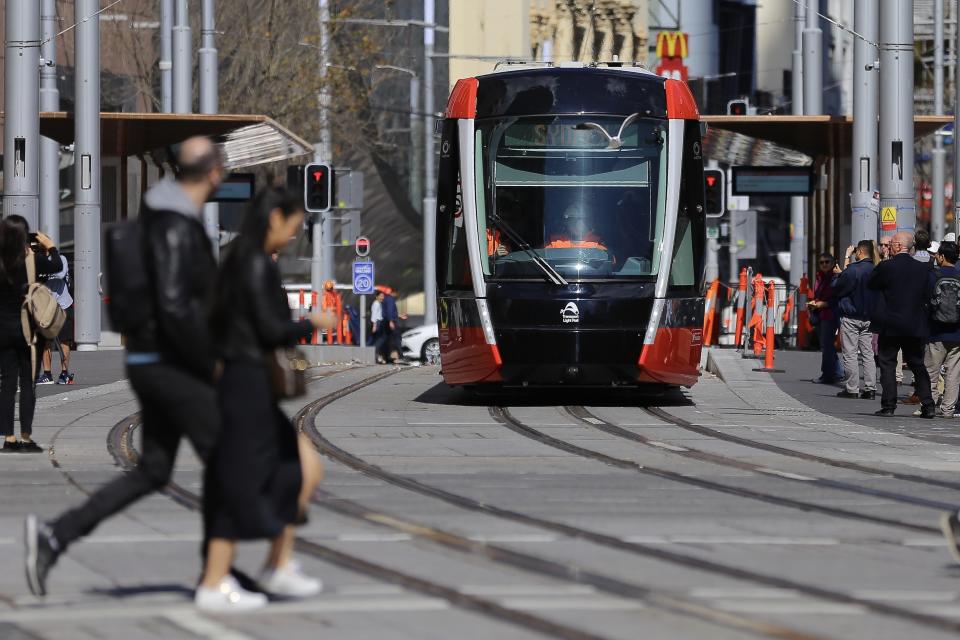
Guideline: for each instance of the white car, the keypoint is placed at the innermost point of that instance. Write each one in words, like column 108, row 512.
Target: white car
column 421, row 343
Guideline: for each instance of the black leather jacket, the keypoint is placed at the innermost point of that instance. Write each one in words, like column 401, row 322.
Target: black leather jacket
column 253, row 316
column 182, row 270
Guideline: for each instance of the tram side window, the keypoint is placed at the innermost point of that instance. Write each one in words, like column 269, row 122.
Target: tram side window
column 453, row 260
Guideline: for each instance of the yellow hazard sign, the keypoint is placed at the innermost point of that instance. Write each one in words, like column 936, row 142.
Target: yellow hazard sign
column 888, row 218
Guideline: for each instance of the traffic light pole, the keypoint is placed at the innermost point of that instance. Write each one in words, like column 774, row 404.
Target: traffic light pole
column 937, row 213
column 321, row 260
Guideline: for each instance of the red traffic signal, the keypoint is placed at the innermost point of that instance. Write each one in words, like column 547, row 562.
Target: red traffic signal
column 711, row 179
column 318, row 188
column 714, row 196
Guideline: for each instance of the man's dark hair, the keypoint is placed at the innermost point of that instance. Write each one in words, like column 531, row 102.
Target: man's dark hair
column 921, row 240
column 865, row 246
column 950, row 251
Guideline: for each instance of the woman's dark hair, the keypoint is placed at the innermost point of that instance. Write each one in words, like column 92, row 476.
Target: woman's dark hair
column 921, row 240
column 249, row 242
column 13, row 247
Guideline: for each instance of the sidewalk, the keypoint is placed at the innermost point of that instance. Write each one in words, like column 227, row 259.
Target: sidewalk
column 790, row 398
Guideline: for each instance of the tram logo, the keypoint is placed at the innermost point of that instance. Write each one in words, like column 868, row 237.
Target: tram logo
column 570, row 313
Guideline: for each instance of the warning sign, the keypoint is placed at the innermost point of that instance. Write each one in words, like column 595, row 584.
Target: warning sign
column 888, row 219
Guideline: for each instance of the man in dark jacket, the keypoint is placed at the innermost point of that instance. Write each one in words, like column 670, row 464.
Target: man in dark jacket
column 855, row 303
column 169, row 360
column 943, row 346
column 900, row 318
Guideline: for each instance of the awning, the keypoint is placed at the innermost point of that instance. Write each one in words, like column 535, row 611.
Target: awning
column 247, row 140
column 811, row 135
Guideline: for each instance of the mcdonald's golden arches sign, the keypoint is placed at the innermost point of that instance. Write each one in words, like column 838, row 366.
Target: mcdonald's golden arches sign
column 671, row 44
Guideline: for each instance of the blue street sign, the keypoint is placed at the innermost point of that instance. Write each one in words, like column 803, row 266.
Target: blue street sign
column 363, row 278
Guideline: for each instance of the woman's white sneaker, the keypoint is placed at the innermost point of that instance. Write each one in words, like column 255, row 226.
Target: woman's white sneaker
column 228, row 597
column 289, row 582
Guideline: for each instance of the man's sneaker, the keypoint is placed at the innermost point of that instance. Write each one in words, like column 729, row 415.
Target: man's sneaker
column 289, row 582
column 42, row 550
column 950, row 525
column 228, row 597
column 43, row 378
column 66, row 378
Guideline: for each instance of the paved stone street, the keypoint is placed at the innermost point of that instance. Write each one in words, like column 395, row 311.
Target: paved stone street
column 750, row 506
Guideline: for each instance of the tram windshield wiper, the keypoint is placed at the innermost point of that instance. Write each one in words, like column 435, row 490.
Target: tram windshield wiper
column 518, row 240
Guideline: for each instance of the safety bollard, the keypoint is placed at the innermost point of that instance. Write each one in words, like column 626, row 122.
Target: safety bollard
column 803, row 315
column 770, row 329
column 759, row 315
column 741, row 308
column 709, row 312
column 313, row 307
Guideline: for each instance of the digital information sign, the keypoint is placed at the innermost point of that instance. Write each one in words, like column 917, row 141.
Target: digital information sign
column 772, row 181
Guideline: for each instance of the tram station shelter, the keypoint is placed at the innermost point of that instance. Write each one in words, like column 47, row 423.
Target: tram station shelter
column 828, row 140
column 137, row 150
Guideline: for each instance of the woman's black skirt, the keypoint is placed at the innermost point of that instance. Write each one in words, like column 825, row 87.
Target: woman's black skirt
column 253, row 478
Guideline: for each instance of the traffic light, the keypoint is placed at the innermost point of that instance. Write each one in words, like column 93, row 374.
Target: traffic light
column 318, row 188
column 739, row 107
column 714, row 202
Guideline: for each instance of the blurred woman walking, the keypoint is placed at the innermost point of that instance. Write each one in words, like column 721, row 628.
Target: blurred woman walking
column 260, row 475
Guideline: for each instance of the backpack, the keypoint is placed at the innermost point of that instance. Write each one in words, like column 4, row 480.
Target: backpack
column 40, row 313
column 945, row 304
column 127, row 288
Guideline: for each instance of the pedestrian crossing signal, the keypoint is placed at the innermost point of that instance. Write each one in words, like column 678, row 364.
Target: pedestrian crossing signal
column 317, row 188
column 714, row 192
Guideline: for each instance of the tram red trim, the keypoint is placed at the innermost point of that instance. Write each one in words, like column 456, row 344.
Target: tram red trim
column 680, row 102
column 673, row 358
column 463, row 99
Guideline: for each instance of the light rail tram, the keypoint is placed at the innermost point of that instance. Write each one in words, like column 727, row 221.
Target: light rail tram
column 570, row 229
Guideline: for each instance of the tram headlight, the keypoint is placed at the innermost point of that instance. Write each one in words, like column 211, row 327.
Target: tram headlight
column 486, row 322
column 654, row 323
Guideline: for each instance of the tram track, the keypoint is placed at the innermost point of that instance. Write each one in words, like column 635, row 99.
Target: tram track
column 504, row 417
column 591, row 420
column 309, row 413
column 700, row 429
column 120, row 446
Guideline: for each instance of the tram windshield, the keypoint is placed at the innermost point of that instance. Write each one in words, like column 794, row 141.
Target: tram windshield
column 580, row 196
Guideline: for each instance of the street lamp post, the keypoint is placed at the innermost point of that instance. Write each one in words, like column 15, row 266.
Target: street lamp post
column 416, row 153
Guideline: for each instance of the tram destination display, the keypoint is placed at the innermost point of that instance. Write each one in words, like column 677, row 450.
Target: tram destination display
column 772, row 181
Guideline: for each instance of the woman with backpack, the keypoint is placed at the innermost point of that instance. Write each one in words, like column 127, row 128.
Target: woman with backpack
column 17, row 253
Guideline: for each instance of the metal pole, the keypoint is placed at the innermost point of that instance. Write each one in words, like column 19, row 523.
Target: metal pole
column 182, row 61
column 896, row 113
column 416, row 142
column 798, row 206
column 937, row 213
column 865, row 98
column 363, row 321
column 166, row 55
column 430, row 179
column 49, row 101
column 712, row 270
column 956, row 122
column 87, row 176
column 322, row 153
column 813, row 61
column 21, row 136
column 209, row 104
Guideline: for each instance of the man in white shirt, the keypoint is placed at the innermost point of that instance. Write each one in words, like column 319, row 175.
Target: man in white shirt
column 376, row 319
